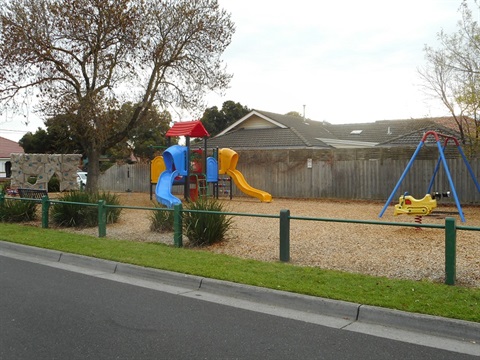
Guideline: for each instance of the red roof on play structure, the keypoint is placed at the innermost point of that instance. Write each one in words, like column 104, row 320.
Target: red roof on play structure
column 188, row 128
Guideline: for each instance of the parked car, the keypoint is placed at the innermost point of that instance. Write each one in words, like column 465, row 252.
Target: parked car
column 81, row 179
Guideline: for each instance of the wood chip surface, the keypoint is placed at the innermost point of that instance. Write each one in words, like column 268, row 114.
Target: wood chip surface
column 380, row 250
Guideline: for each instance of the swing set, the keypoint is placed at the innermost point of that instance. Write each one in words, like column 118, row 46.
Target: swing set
column 408, row 204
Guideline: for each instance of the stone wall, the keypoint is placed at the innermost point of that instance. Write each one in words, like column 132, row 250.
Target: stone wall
column 43, row 167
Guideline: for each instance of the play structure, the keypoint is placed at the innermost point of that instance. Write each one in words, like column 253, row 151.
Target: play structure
column 418, row 207
column 192, row 169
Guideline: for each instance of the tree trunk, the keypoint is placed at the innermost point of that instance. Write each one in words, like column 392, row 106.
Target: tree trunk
column 93, row 155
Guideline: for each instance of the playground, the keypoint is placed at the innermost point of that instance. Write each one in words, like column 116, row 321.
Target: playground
column 381, row 250
column 390, row 251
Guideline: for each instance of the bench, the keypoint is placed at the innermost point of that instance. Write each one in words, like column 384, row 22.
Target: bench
column 32, row 193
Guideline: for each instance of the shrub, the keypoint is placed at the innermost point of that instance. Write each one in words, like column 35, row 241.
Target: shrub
column 72, row 215
column 161, row 220
column 205, row 227
column 18, row 211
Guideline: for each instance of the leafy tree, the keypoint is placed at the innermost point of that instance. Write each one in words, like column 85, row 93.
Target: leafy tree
column 57, row 138
column 215, row 120
column 36, row 143
column 452, row 75
column 62, row 139
column 150, row 132
column 87, row 57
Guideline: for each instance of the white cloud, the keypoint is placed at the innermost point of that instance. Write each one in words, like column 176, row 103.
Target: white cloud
column 347, row 61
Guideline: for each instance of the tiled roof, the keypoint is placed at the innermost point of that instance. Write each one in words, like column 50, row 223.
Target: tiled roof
column 262, row 129
column 415, row 136
column 295, row 134
column 261, row 138
column 378, row 131
column 8, row 147
column 449, row 122
column 310, row 129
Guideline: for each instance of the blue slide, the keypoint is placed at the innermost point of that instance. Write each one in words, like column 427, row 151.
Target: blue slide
column 174, row 158
column 163, row 190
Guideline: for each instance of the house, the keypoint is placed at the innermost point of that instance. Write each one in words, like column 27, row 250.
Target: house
column 7, row 147
column 290, row 156
column 266, row 130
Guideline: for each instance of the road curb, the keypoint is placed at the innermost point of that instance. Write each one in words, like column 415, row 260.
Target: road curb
column 353, row 312
column 310, row 304
column 88, row 262
column 433, row 325
column 44, row 254
column 190, row 282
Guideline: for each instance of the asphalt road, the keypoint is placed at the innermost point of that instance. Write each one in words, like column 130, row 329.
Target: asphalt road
column 52, row 313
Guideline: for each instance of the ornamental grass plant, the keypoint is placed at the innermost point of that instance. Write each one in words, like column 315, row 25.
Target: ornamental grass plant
column 202, row 227
column 18, row 210
column 161, row 220
column 80, row 215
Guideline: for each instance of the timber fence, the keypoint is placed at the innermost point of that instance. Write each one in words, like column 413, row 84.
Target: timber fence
column 360, row 174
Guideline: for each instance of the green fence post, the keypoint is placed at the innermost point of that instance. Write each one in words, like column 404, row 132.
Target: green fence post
column 45, row 208
column 177, row 225
column 102, row 219
column 2, row 198
column 450, row 251
column 285, row 235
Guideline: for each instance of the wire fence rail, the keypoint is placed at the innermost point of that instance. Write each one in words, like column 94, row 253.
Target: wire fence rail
column 450, row 227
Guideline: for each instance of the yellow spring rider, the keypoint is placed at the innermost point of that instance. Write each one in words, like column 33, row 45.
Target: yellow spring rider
column 407, row 204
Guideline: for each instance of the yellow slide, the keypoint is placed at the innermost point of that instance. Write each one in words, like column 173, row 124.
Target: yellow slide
column 227, row 163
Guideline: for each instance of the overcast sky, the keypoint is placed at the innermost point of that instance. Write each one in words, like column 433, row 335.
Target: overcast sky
column 346, row 61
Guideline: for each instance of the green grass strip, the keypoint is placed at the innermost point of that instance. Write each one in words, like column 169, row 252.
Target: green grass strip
column 414, row 296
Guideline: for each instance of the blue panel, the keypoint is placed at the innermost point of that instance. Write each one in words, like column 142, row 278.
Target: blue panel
column 212, row 170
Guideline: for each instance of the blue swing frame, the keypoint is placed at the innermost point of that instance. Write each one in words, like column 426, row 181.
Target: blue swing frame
column 442, row 160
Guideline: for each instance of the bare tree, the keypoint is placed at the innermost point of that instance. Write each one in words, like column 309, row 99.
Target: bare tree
column 452, row 74
column 86, row 57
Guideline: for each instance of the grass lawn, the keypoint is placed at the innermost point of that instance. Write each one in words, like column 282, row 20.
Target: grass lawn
column 414, row 296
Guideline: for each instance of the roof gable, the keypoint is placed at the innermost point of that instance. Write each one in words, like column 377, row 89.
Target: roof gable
column 254, row 119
